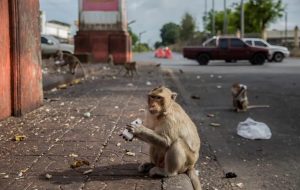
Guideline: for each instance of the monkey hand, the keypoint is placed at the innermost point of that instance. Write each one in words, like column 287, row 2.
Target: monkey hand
column 135, row 129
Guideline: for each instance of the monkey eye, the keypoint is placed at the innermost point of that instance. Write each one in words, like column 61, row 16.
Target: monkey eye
column 155, row 97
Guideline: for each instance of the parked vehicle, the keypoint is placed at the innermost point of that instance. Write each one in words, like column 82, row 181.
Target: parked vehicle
column 50, row 45
column 228, row 49
column 278, row 53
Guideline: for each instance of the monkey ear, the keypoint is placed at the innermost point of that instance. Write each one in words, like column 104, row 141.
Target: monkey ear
column 174, row 95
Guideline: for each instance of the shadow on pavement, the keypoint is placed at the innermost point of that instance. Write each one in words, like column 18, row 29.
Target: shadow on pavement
column 102, row 173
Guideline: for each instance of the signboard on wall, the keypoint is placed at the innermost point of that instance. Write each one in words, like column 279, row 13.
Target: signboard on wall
column 100, row 5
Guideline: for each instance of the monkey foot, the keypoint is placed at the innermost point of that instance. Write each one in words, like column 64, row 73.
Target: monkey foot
column 145, row 167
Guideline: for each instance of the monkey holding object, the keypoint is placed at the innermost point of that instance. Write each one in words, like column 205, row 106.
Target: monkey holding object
column 240, row 99
column 172, row 136
column 62, row 59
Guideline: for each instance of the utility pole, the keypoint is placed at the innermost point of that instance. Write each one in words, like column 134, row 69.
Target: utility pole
column 242, row 19
column 285, row 31
column 205, row 15
column 213, row 18
column 225, row 19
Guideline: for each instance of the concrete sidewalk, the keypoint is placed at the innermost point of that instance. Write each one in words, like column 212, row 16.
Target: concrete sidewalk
column 58, row 133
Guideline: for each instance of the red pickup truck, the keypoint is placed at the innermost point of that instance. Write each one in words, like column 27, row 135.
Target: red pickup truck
column 228, row 49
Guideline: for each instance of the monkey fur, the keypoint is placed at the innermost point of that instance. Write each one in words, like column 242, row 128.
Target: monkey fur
column 240, row 99
column 172, row 136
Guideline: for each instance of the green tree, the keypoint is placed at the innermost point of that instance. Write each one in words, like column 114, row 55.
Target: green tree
column 170, row 33
column 232, row 26
column 158, row 44
column 258, row 15
column 188, row 27
column 134, row 37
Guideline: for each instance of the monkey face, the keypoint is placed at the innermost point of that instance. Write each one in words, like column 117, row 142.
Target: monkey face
column 155, row 104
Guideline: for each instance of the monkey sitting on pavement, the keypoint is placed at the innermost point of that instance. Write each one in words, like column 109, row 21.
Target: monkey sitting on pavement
column 172, row 136
column 240, row 99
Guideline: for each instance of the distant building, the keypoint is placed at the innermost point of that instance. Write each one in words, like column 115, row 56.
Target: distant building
column 59, row 29
column 280, row 36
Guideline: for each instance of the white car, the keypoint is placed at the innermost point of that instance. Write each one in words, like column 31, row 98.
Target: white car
column 50, row 45
column 277, row 53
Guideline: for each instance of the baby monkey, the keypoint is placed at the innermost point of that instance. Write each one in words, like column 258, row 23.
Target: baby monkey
column 240, row 99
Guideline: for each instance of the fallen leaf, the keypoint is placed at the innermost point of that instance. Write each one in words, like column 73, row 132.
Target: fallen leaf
column 76, row 81
column 62, row 86
column 79, row 163
column 87, row 114
column 48, row 176
column 130, row 153
column 73, row 155
column 118, row 144
column 240, row 185
column 87, row 171
column 230, row 175
column 195, row 97
column 210, row 115
column 215, row 124
column 19, row 137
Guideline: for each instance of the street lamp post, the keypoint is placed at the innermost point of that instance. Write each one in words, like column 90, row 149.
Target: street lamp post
column 242, row 19
column 285, row 30
column 225, row 19
column 131, row 22
column 213, row 18
column 140, row 39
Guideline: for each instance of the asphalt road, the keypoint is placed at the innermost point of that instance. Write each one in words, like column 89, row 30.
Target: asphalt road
column 259, row 164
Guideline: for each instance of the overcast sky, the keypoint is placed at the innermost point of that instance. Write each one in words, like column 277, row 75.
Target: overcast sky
column 150, row 15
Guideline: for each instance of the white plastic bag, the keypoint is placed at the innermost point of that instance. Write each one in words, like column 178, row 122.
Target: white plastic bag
column 251, row 129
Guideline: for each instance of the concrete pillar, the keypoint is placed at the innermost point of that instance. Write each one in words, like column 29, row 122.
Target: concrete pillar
column 26, row 59
column 296, row 37
column 103, row 31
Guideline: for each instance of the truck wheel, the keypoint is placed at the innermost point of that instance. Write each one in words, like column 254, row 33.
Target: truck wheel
column 278, row 57
column 203, row 59
column 258, row 59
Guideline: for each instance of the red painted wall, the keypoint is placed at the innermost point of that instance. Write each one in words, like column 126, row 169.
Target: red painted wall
column 26, row 56
column 5, row 69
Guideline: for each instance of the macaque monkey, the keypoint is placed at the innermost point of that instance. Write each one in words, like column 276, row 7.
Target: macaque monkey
column 172, row 136
column 110, row 59
column 130, row 68
column 240, row 99
column 62, row 59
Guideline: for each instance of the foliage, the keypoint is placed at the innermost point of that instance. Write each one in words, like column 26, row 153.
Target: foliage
column 258, row 15
column 134, row 37
column 219, row 21
column 158, row 44
column 142, row 47
column 170, row 33
column 188, row 27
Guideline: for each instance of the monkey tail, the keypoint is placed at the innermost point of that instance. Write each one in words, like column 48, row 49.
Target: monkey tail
column 194, row 179
column 83, row 70
column 258, row 106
